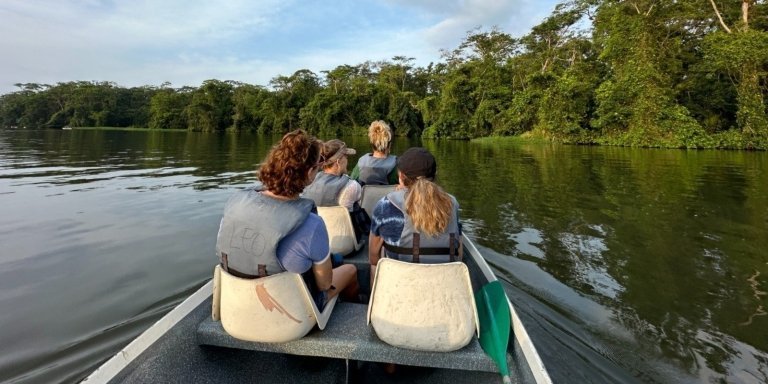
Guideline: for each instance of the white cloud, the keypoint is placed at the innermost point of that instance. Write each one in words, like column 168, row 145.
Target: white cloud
column 513, row 17
column 146, row 42
column 188, row 22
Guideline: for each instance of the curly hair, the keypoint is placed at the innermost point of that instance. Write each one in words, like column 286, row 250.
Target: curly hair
column 380, row 135
column 285, row 170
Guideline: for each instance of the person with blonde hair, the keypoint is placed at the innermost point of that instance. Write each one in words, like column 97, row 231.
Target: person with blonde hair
column 268, row 228
column 378, row 167
column 419, row 222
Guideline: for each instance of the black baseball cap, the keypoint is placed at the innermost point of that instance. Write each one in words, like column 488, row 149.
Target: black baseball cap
column 417, row 162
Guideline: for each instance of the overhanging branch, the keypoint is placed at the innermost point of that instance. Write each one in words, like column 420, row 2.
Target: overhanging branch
column 719, row 17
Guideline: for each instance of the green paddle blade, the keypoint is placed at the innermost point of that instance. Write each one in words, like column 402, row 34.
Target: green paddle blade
column 493, row 313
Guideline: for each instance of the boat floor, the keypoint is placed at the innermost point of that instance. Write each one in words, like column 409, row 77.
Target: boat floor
column 178, row 358
column 197, row 350
column 348, row 336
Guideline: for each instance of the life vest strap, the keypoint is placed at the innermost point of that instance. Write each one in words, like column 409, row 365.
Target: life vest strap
column 224, row 262
column 225, row 266
column 422, row 251
column 416, row 242
column 452, row 247
column 417, row 251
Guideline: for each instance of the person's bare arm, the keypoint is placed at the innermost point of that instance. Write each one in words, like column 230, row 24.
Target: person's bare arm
column 375, row 244
column 323, row 272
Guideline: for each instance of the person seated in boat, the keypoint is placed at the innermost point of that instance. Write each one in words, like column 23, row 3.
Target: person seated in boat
column 332, row 186
column 378, row 167
column 269, row 228
column 419, row 221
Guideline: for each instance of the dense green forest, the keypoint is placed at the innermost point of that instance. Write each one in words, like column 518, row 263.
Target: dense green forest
column 658, row 73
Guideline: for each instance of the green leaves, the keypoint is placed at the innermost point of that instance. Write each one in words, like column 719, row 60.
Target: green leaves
column 640, row 73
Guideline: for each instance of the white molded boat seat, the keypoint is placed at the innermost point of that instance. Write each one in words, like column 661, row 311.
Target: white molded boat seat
column 341, row 233
column 426, row 307
column 271, row 309
column 372, row 194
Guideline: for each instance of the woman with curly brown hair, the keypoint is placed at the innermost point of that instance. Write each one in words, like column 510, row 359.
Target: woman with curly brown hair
column 268, row 228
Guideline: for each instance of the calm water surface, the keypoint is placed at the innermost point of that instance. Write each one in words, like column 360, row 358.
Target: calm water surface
column 626, row 265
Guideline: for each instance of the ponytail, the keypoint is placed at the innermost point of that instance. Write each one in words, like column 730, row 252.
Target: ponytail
column 429, row 207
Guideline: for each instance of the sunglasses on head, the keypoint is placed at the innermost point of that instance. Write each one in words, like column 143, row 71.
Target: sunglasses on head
column 319, row 163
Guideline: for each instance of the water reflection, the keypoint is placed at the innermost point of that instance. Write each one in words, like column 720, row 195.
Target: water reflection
column 586, row 253
column 667, row 239
column 626, row 264
column 527, row 242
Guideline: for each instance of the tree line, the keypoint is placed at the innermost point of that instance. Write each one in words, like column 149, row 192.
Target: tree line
column 658, row 73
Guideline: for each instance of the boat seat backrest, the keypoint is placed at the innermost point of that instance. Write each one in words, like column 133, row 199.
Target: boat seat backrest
column 426, row 307
column 341, row 233
column 372, row 194
column 272, row 309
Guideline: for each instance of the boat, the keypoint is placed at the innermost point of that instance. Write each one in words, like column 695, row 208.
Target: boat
column 188, row 346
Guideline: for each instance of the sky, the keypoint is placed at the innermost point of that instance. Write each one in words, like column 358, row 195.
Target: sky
column 184, row 42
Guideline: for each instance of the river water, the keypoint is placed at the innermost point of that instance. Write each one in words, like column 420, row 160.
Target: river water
column 626, row 265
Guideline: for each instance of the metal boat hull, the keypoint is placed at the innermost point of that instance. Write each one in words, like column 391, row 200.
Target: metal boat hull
column 169, row 351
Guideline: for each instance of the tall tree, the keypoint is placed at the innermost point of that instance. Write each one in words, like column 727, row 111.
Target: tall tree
column 167, row 108
column 247, row 103
column 567, row 73
column 742, row 52
column 211, row 107
column 291, row 94
column 637, row 103
column 476, row 88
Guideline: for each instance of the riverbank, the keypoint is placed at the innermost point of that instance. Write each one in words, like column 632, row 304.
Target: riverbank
column 728, row 140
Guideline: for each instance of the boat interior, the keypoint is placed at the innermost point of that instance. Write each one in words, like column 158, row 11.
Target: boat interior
column 197, row 349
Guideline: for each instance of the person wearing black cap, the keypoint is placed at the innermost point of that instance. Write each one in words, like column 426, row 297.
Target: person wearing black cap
column 419, row 222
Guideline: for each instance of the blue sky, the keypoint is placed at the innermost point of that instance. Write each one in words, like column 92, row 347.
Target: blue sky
column 184, row 42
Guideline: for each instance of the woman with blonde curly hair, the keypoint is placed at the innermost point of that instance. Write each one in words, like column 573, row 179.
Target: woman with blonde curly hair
column 378, row 167
column 419, row 221
column 268, row 228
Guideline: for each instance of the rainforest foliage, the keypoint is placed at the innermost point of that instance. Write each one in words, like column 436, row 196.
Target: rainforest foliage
column 658, row 73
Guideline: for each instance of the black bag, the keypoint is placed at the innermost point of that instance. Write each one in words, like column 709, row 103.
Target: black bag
column 360, row 221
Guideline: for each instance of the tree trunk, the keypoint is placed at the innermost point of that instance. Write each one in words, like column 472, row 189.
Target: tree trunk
column 751, row 116
column 745, row 13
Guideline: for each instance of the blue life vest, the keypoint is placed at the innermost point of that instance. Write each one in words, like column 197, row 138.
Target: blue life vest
column 252, row 226
column 374, row 170
column 416, row 247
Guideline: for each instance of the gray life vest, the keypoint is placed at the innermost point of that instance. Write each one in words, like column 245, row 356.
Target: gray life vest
column 326, row 189
column 252, row 226
column 374, row 170
column 415, row 247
